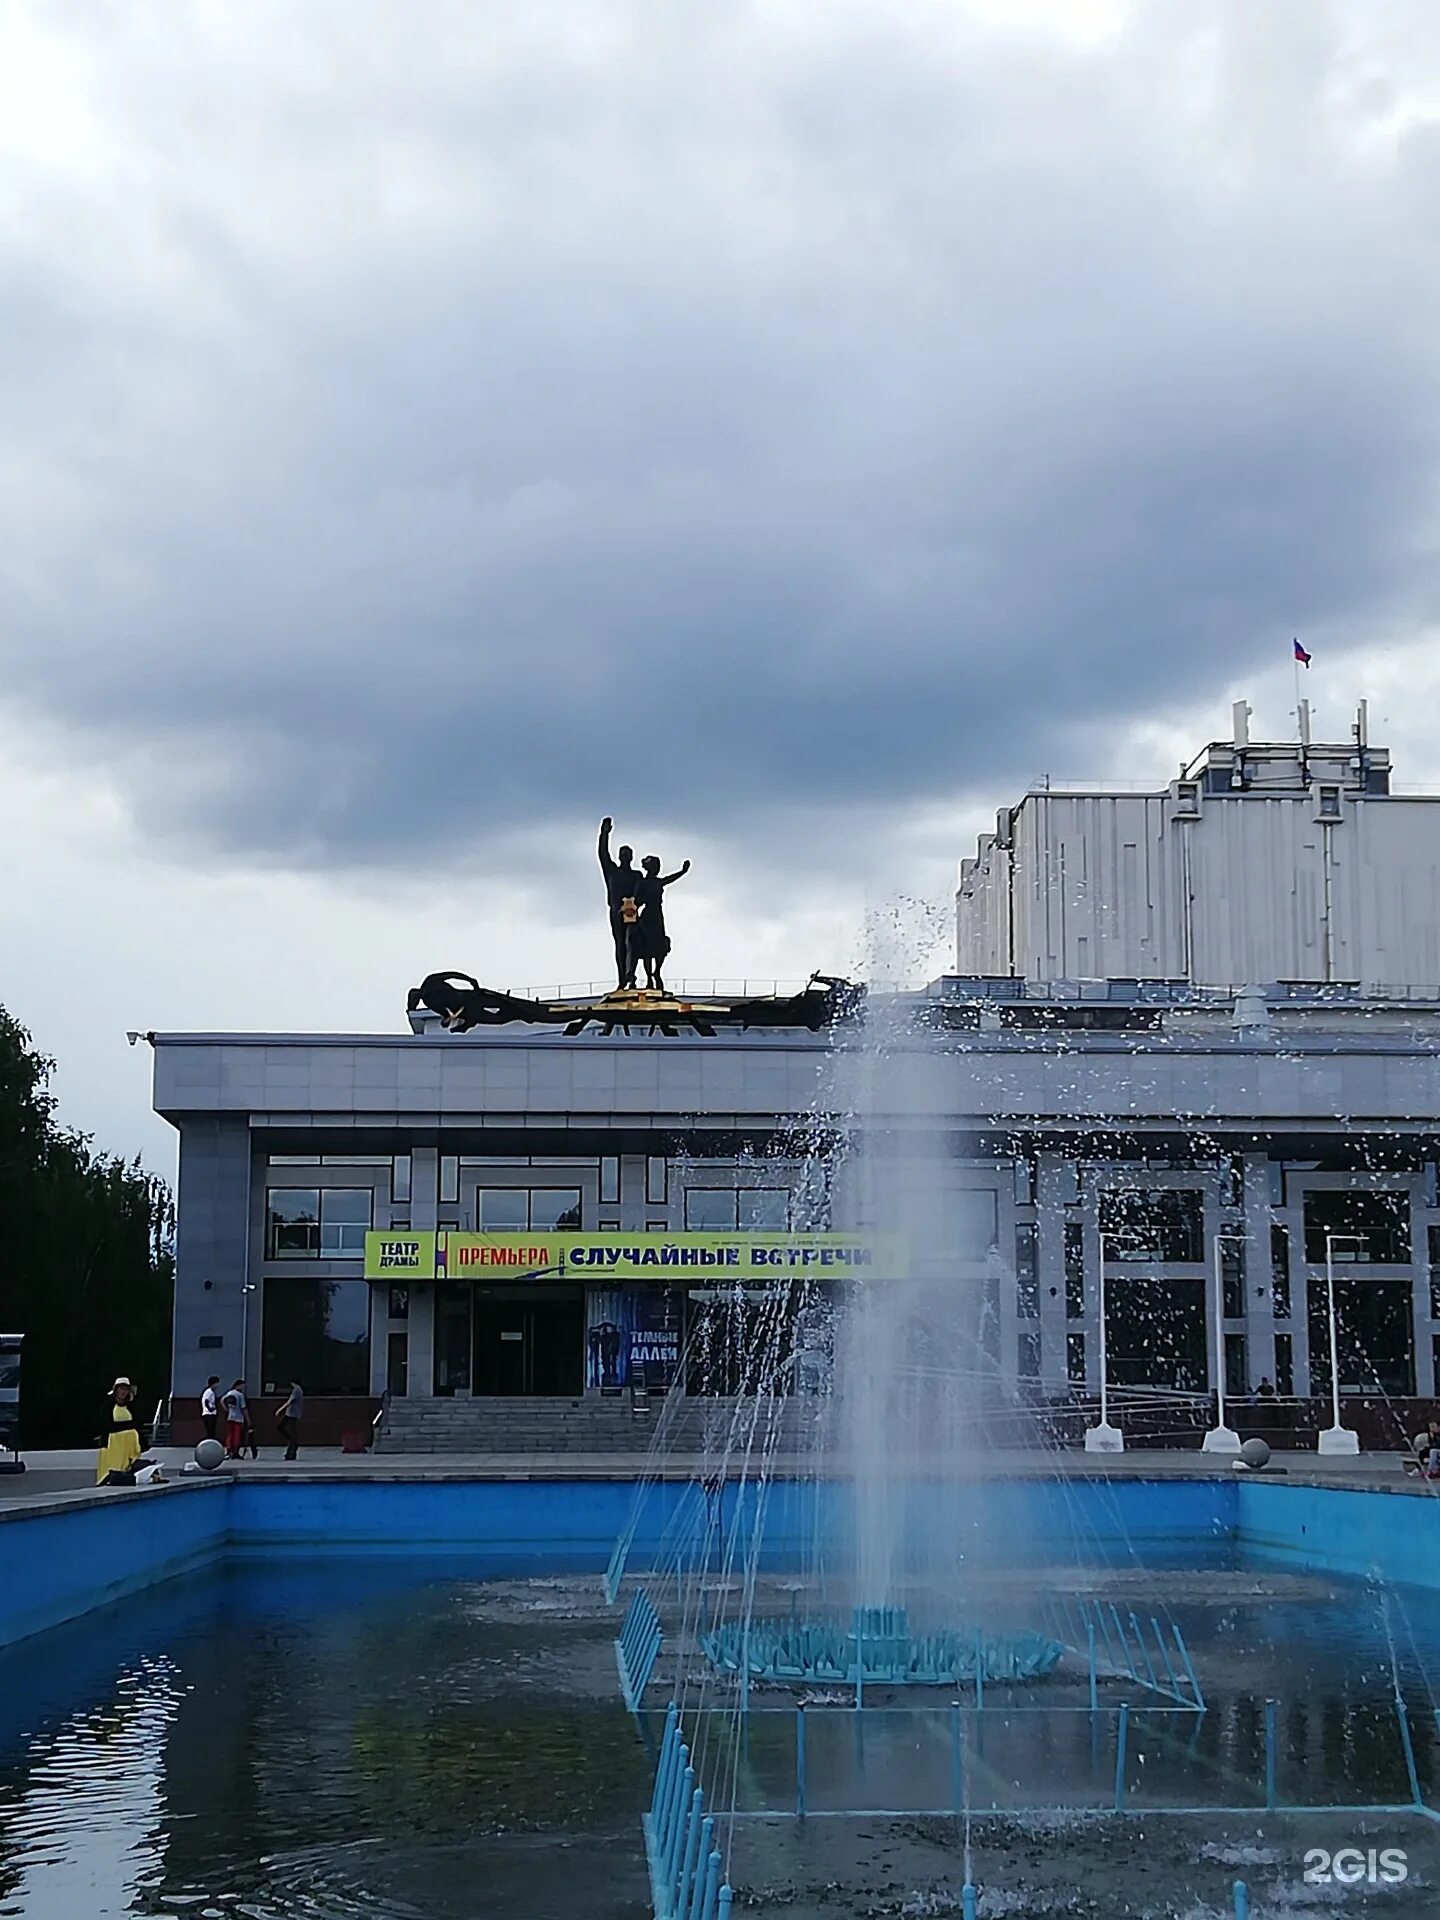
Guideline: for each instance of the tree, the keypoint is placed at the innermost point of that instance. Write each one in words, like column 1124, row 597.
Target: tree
column 86, row 1258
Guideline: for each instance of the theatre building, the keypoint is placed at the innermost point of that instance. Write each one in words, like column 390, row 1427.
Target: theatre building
column 1189, row 1064
column 503, row 1218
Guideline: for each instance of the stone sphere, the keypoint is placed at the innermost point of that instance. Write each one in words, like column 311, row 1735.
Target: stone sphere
column 1255, row 1452
column 209, row 1454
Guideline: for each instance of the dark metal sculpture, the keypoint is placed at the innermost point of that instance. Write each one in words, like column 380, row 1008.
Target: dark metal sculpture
column 636, row 901
column 463, row 1004
column 635, row 898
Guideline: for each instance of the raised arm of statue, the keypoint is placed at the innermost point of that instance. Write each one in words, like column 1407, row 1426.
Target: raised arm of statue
column 607, row 865
column 679, row 874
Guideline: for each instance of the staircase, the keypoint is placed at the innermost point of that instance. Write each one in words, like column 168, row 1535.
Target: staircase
column 581, row 1425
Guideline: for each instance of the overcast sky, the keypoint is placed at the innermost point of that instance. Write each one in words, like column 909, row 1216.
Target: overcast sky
column 789, row 426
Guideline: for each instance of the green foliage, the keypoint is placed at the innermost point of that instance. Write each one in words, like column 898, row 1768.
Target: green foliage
column 86, row 1259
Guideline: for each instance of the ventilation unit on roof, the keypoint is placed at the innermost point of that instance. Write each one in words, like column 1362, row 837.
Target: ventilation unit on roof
column 1187, row 799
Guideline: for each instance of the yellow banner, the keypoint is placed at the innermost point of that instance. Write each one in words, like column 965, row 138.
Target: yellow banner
column 399, row 1255
column 613, row 1257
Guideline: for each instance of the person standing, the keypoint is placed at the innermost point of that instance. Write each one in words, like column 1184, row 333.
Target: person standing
column 648, row 941
column 237, row 1418
column 210, row 1408
column 120, row 1436
column 621, row 881
column 288, row 1419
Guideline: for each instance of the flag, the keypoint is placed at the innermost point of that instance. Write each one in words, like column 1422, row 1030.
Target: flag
column 1301, row 655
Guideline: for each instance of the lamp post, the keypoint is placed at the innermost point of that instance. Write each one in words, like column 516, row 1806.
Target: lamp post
column 1335, row 1438
column 1102, row 1437
column 1220, row 1438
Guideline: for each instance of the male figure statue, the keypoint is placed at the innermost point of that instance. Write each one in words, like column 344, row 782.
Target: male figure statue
column 622, row 885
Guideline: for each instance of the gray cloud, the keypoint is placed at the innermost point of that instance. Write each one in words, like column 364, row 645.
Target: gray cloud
column 421, row 417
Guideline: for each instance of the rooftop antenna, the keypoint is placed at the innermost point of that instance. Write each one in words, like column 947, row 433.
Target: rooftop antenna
column 1362, row 724
column 1240, row 716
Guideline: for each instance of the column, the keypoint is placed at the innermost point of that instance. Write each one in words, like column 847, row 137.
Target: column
column 424, row 1196
column 213, row 1257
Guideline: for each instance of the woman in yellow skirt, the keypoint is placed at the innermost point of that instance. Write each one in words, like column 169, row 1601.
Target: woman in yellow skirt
column 120, row 1441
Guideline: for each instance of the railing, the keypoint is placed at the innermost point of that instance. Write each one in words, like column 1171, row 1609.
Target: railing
column 990, row 1760
column 685, row 1864
column 160, row 1420
column 638, row 1648
column 1083, row 1624
column 687, row 989
column 381, row 1420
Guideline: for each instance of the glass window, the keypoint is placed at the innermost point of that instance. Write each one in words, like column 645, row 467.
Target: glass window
column 502, row 1209
column 763, row 1209
column 318, row 1333
column 1284, row 1365
column 396, row 1221
column 657, row 1181
column 344, row 1222
column 399, row 1303
column 449, row 1177
column 1027, row 1353
column 1074, row 1270
column 607, row 1226
column 1363, row 1225
column 400, row 1179
column 294, row 1223
column 528, row 1209
column 710, row 1209
column 1232, row 1277
column 1163, row 1224
column 1027, row 1274
column 352, row 1160
column 1280, row 1272
column 555, row 1209
column 1237, row 1383
column 1075, row 1359
column 609, row 1178
column 971, row 1216
column 657, row 1226
column 1026, row 1253
column 294, row 1160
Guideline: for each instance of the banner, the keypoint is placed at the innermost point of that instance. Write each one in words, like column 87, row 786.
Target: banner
column 631, row 1331
column 400, row 1256
column 614, row 1257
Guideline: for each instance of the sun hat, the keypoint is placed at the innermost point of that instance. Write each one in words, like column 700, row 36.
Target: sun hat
column 121, row 1380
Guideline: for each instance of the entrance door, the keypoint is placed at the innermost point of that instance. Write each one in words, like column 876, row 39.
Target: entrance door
column 452, row 1337
column 529, row 1340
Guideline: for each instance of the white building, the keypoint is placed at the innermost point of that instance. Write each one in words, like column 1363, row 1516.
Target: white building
column 1258, row 864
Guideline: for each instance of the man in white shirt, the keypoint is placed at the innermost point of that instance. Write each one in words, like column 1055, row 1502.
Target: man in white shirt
column 209, row 1408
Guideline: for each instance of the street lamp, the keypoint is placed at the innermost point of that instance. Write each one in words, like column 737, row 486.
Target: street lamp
column 1220, row 1438
column 1335, row 1438
column 1102, row 1437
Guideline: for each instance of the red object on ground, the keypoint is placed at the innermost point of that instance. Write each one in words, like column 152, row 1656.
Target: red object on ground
column 352, row 1442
